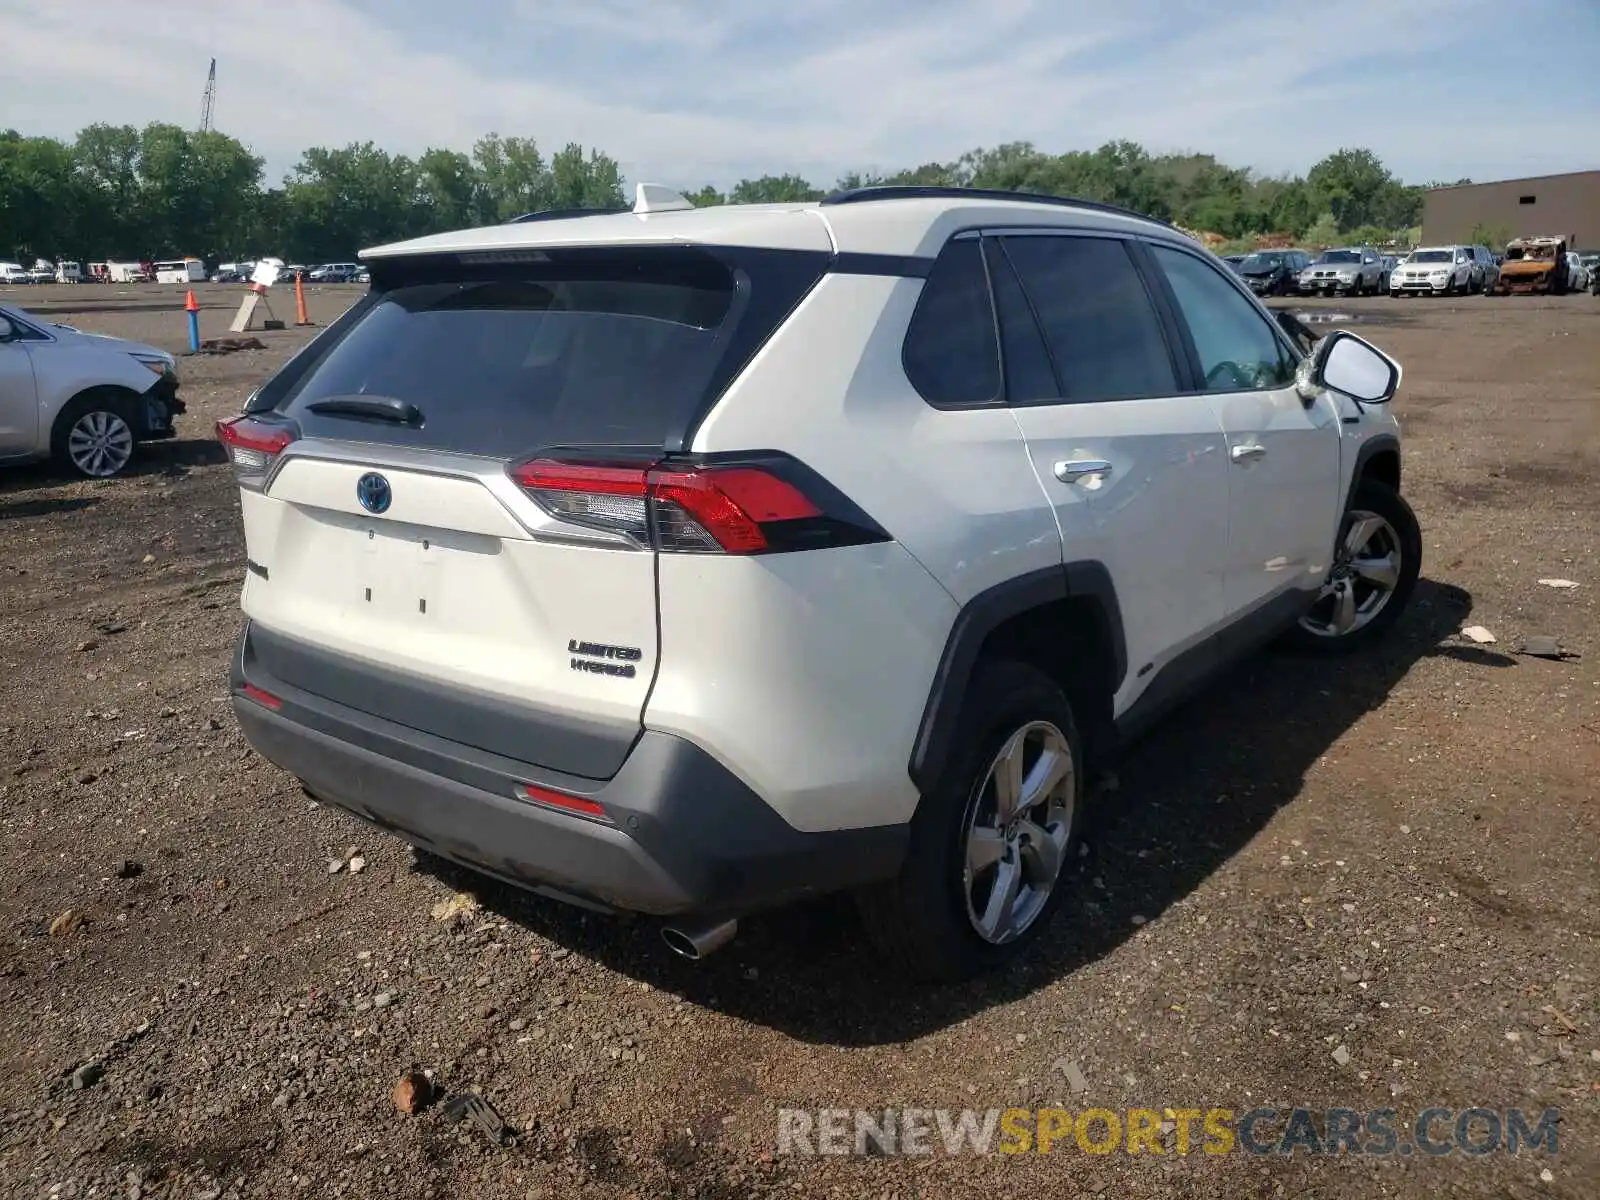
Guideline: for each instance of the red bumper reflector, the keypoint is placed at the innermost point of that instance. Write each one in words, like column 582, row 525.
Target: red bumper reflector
column 562, row 800
column 266, row 699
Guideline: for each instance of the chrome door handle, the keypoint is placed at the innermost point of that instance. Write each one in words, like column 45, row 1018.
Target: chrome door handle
column 1248, row 452
column 1073, row 469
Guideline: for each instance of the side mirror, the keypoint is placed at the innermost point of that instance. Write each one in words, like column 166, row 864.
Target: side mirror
column 7, row 329
column 1355, row 367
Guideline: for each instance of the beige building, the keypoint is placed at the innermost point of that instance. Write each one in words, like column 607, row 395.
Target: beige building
column 1560, row 205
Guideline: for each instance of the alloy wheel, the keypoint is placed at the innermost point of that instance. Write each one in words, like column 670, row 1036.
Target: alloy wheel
column 1018, row 823
column 100, row 444
column 1365, row 573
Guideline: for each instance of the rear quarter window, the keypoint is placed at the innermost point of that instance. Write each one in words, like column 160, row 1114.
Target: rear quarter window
column 951, row 354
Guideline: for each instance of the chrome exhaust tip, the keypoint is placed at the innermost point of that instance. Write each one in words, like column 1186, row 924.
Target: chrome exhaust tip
column 697, row 941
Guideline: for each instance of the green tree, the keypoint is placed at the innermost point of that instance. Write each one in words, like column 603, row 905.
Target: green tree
column 584, row 181
column 1353, row 185
column 41, row 204
column 1494, row 236
column 120, row 191
column 513, row 178
column 1323, row 232
column 448, row 190
column 773, row 189
column 342, row 200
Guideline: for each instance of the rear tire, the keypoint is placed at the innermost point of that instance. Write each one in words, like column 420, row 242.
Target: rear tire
column 1377, row 558
column 932, row 919
column 93, row 437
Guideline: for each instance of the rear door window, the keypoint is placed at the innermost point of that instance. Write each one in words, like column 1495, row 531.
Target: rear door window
column 1030, row 376
column 592, row 347
column 1096, row 315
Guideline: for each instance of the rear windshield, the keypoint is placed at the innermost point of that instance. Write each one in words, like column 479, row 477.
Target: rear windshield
column 581, row 348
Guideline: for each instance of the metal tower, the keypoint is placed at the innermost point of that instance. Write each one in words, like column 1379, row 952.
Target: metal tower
column 210, row 100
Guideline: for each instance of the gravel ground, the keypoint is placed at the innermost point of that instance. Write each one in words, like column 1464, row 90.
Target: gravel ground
column 1370, row 883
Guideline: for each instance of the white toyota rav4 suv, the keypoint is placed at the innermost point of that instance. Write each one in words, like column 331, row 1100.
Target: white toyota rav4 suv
column 692, row 561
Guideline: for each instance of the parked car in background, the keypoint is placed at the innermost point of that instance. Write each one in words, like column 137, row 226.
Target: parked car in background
column 1534, row 266
column 42, row 272
column 181, row 270
column 82, row 399
column 11, row 272
column 1436, row 270
column 233, row 272
column 1273, row 272
column 334, row 273
column 363, row 275
column 68, row 271
column 1487, row 265
column 1577, row 273
column 129, row 272
column 1348, row 269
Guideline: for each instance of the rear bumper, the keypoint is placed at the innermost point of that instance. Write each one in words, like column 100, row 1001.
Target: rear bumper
column 681, row 834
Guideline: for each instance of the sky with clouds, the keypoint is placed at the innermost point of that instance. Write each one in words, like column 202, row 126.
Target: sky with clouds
column 687, row 92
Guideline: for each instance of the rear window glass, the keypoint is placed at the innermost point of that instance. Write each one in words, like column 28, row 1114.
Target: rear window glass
column 623, row 348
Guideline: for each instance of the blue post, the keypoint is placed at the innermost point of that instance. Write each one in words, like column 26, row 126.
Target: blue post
column 192, row 307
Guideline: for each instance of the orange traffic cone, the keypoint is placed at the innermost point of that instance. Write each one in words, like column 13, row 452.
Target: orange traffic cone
column 191, row 308
column 300, row 317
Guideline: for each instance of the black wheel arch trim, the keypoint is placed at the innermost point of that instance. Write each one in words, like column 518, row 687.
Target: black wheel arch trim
column 980, row 617
column 1379, row 443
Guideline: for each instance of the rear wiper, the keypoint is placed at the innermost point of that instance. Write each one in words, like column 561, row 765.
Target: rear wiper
column 377, row 408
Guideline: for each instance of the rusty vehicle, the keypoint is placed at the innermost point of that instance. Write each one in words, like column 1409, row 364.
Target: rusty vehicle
column 1534, row 266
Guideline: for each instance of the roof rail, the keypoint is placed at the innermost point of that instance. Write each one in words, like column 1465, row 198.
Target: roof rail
column 562, row 214
column 917, row 191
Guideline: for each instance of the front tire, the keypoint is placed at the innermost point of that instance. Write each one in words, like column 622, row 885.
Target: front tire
column 93, row 436
column 992, row 838
column 1377, row 558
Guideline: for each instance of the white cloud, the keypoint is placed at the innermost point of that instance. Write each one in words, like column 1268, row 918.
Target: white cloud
column 692, row 90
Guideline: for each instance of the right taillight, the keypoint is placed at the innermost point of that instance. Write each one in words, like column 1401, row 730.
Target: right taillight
column 714, row 506
column 253, row 445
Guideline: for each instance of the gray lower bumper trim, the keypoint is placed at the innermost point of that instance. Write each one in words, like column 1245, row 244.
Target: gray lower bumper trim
column 685, row 835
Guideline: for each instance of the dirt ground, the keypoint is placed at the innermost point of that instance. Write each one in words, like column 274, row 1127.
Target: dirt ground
column 1371, row 883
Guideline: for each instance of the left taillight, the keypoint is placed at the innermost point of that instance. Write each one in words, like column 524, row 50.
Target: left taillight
column 762, row 505
column 253, row 445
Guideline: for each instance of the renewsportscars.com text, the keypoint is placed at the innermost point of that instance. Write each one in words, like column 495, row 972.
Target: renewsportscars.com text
column 1435, row 1132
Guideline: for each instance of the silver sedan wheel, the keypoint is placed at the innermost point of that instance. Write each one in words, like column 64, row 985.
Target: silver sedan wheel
column 100, row 444
column 1366, row 570
column 1018, row 823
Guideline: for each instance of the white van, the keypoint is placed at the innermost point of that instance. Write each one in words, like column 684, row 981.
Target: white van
column 11, row 272
column 69, row 272
column 183, row 270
